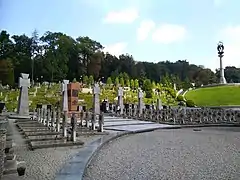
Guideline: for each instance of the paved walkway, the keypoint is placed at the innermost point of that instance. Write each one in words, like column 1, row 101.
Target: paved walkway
column 123, row 124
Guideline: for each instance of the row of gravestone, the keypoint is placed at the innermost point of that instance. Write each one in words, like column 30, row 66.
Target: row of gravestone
column 183, row 115
column 8, row 162
column 56, row 120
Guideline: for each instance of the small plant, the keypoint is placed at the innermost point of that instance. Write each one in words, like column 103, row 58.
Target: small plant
column 180, row 98
column 190, row 103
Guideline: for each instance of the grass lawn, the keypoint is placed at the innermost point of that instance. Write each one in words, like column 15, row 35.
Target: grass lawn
column 215, row 96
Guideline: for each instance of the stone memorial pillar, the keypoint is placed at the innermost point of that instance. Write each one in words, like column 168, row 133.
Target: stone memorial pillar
column 65, row 95
column 96, row 99
column 44, row 116
column 48, row 117
column 58, row 120
column 23, row 103
column 64, row 123
column 120, row 99
column 41, row 115
column 65, row 106
column 53, row 119
column 140, row 102
column 81, row 118
column 73, row 90
column 74, row 126
column 100, row 123
column 93, row 121
column 159, row 104
column 88, row 115
column 38, row 114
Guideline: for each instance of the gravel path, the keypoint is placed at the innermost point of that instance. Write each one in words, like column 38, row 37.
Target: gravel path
column 42, row 164
column 181, row 154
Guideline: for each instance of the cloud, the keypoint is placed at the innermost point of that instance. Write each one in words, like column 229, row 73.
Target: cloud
column 169, row 33
column 125, row 16
column 115, row 49
column 231, row 39
column 146, row 26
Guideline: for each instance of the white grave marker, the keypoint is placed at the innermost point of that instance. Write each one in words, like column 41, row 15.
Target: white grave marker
column 23, row 103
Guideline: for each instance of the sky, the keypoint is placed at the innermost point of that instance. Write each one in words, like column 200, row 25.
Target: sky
column 150, row 30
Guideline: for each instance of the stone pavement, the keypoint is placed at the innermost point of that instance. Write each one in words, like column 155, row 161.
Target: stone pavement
column 129, row 125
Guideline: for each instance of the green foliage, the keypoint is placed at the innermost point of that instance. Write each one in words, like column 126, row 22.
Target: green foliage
column 109, row 81
column 147, row 85
column 116, row 81
column 91, row 80
column 215, row 96
column 68, row 57
column 182, row 103
column 136, row 84
column 153, row 85
column 149, row 94
column 180, row 98
column 85, row 79
column 132, row 85
column 74, row 80
column 127, row 83
column 122, row 82
column 171, row 91
column 190, row 103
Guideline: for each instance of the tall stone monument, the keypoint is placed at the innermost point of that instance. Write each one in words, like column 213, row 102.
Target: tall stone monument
column 65, row 95
column 220, row 49
column 159, row 104
column 73, row 89
column 140, row 102
column 120, row 99
column 23, row 102
column 65, row 106
column 96, row 99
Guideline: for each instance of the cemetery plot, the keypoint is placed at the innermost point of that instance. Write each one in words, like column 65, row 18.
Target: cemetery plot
column 54, row 143
column 39, row 136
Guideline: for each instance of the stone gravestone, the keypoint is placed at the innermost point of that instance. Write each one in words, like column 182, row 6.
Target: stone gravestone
column 120, row 99
column 159, row 104
column 65, row 106
column 140, row 102
column 23, row 103
column 96, row 99
column 65, row 96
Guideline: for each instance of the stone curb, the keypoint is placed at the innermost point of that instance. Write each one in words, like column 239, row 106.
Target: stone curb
column 66, row 173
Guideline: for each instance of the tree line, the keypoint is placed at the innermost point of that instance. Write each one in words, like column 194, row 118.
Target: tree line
column 56, row 56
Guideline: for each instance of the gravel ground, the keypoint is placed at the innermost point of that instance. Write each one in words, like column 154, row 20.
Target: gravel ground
column 43, row 164
column 181, row 154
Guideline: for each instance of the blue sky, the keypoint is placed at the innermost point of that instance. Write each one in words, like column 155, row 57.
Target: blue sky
column 150, row 30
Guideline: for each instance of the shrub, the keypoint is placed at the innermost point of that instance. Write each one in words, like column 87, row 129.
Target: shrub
column 190, row 103
column 149, row 94
column 180, row 98
column 182, row 103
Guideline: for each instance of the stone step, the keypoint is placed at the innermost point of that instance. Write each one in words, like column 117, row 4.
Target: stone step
column 10, row 167
column 53, row 144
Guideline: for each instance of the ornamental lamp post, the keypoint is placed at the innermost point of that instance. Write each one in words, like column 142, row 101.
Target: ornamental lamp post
column 220, row 49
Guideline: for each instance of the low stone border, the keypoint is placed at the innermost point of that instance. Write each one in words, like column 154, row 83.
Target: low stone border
column 75, row 168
